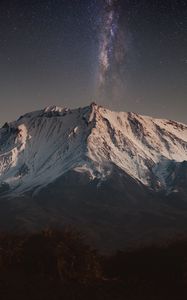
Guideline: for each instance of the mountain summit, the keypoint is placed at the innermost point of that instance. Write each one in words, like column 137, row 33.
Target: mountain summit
column 43, row 145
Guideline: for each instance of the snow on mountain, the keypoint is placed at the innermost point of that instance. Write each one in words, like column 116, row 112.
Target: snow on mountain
column 43, row 145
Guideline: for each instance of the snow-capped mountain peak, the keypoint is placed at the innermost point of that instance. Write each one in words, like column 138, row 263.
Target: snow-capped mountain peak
column 43, row 145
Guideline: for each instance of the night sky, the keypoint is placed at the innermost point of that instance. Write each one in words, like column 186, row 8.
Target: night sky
column 127, row 55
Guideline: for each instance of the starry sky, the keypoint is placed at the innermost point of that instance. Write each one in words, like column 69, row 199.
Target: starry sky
column 126, row 55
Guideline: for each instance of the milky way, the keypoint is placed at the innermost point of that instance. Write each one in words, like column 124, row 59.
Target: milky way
column 111, row 49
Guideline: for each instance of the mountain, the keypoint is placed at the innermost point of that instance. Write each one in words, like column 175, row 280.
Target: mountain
column 121, row 177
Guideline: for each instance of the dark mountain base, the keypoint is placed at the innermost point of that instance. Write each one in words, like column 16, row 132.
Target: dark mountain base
column 114, row 214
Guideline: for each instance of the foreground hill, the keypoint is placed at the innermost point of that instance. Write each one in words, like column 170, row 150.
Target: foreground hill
column 59, row 265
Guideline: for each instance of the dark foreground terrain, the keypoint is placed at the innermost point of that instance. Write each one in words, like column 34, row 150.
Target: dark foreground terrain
column 58, row 265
